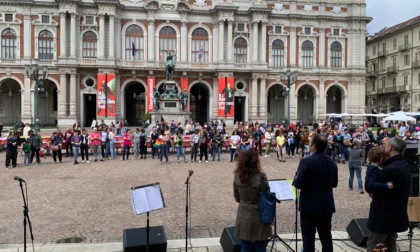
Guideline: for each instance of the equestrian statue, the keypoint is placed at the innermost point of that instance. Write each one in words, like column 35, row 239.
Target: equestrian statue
column 170, row 67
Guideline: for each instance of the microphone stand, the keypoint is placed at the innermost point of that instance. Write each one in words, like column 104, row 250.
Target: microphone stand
column 187, row 184
column 26, row 219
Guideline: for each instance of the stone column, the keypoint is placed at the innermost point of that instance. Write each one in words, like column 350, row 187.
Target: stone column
column 230, row 42
column 27, row 99
column 254, row 98
column 27, row 38
column 73, row 95
column 322, row 98
column 215, row 98
column 111, row 53
column 221, row 40
column 151, row 40
column 293, row 102
column 263, row 100
column 293, row 52
column 184, row 42
column 63, row 34
column 63, row 96
column 264, row 43
column 255, row 42
column 101, row 44
column 73, row 36
column 321, row 50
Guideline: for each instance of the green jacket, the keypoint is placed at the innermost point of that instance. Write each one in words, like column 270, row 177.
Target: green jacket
column 178, row 141
column 36, row 141
column 26, row 148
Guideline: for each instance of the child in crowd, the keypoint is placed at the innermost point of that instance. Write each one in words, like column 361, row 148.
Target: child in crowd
column 84, row 146
column 376, row 156
column 75, row 142
column 26, row 148
column 355, row 164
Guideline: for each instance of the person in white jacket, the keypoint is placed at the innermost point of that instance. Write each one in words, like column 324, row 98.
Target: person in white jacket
column 268, row 138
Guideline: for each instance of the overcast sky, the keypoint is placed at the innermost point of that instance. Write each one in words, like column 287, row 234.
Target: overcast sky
column 387, row 13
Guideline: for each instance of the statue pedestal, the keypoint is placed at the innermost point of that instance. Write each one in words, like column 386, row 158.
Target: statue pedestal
column 170, row 109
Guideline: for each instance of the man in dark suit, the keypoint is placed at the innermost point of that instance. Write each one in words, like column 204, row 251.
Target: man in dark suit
column 388, row 209
column 316, row 177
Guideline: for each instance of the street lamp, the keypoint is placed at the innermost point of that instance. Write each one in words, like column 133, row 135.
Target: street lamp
column 288, row 78
column 32, row 72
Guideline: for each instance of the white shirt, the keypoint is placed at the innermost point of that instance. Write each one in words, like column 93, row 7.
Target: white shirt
column 234, row 139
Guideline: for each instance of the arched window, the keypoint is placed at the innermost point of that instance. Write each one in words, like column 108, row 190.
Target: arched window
column 45, row 45
column 240, row 51
column 8, row 44
column 167, row 43
column 307, row 54
column 336, row 55
column 89, row 45
column 277, row 53
column 200, row 46
column 134, row 36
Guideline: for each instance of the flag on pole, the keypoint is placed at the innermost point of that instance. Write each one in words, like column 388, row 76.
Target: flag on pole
column 133, row 49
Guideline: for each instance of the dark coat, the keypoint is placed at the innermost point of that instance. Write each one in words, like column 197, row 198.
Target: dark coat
column 316, row 178
column 388, row 209
column 248, row 224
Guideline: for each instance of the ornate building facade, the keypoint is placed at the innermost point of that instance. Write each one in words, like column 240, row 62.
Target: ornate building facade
column 393, row 70
column 245, row 43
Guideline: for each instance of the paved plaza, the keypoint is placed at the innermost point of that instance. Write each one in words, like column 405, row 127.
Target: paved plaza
column 92, row 202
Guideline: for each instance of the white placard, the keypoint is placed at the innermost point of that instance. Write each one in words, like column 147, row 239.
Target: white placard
column 147, row 198
column 283, row 189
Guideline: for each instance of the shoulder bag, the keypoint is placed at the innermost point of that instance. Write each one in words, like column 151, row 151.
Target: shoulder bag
column 266, row 204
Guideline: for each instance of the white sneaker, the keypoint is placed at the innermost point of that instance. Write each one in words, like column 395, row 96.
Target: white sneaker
column 83, row 161
column 88, row 162
column 265, row 156
column 207, row 161
column 132, row 158
column 199, row 161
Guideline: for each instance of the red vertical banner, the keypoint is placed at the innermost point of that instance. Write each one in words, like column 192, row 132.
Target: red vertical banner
column 105, row 105
column 226, row 97
column 184, row 86
column 150, row 93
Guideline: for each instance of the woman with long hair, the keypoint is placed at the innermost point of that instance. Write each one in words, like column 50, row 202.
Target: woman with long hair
column 163, row 146
column 246, row 189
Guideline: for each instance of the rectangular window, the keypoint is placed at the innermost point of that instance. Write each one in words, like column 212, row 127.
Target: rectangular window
column 383, row 100
column 405, row 80
column 394, row 44
column 45, row 19
column 374, row 50
column 241, row 27
column 406, row 59
column 418, row 79
column 8, row 17
column 405, row 39
column 307, row 30
column 336, row 32
column 394, row 82
column 89, row 20
column 383, row 47
column 394, row 61
column 383, row 83
column 277, row 29
column 373, row 86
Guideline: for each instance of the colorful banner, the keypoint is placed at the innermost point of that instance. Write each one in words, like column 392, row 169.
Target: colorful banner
column 184, row 85
column 226, row 97
column 105, row 105
column 150, row 93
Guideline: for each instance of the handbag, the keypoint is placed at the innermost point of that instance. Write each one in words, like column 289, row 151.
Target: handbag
column 266, row 204
column 157, row 143
column 55, row 148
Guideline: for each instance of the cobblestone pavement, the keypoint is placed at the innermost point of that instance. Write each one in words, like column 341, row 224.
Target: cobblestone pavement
column 92, row 201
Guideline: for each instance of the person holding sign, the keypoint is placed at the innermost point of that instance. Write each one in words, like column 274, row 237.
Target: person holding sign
column 316, row 177
column 246, row 190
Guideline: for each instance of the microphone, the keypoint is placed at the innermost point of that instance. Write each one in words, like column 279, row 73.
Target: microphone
column 20, row 179
column 190, row 172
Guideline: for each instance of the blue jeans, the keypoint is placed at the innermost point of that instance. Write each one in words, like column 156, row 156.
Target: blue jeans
column 112, row 148
column 216, row 151
column 136, row 151
column 164, row 152
column 260, row 246
column 75, row 153
column 27, row 158
column 355, row 166
column 180, row 152
column 118, row 132
column 107, row 149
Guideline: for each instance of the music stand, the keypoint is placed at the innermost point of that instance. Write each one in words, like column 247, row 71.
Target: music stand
column 145, row 199
column 284, row 191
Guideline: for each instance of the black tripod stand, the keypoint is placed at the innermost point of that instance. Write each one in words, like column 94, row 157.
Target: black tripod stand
column 26, row 219
column 275, row 237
